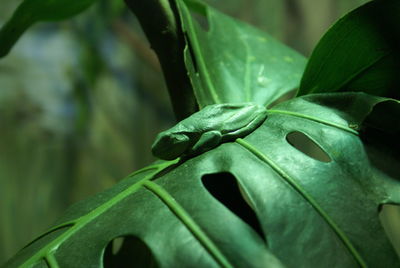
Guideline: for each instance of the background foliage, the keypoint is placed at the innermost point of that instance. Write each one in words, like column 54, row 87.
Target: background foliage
column 81, row 101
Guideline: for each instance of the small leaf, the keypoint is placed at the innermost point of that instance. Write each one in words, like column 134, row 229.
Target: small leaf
column 230, row 61
column 359, row 53
column 32, row 11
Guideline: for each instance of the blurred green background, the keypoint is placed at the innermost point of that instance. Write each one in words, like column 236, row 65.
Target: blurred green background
column 81, row 102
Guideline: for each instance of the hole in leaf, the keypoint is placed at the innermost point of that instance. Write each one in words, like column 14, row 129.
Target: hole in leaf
column 224, row 187
column 128, row 251
column 307, row 146
column 199, row 13
column 389, row 216
column 379, row 133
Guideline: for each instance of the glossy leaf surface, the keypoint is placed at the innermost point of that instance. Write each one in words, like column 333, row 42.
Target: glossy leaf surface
column 230, row 61
column 359, row 53
column 319, row 216
column 32, row 11
column 290, row 208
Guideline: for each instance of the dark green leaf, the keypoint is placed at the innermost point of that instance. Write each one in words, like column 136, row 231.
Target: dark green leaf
column 359, row 53
column 308, row 213
column 32, row 11
column 230, row 61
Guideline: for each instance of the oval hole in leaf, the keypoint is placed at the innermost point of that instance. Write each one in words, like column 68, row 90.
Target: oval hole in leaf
column 389, row 215
column 224, row 187
column 128, row 251
column 304, row 144
column 380, row 134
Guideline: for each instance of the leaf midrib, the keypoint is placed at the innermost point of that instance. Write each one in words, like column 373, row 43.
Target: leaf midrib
column 46, row 252
column 315, row 119
column 194, row 42
column 342, row 236
column 188, row 222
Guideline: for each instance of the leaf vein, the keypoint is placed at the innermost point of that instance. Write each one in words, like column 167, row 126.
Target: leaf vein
column 342, row 127
column 200, row 59
column 82, row 221
column 188, row 221
column 342, row 236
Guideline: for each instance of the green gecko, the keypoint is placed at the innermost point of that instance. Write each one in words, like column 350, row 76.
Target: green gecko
column 208, row 128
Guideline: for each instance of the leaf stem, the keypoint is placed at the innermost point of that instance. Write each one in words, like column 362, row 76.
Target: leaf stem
column 51, row 261
column 160, row 22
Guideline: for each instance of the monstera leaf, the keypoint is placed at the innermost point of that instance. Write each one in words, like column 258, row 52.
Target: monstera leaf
column 296, row 210
column 261, row 200
column 230, row 61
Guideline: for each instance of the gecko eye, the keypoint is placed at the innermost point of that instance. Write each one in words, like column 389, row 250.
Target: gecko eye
column 178, row 138
column 170, row 146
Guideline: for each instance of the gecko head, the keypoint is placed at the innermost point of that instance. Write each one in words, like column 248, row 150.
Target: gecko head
column 170, row 146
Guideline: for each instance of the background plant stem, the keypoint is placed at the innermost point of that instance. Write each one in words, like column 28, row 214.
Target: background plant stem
column 161, row 26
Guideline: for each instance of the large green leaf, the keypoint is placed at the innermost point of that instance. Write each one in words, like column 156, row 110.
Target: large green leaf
column 295, row 210
column 230, row 61
column 32, row 11
column 359, row 53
